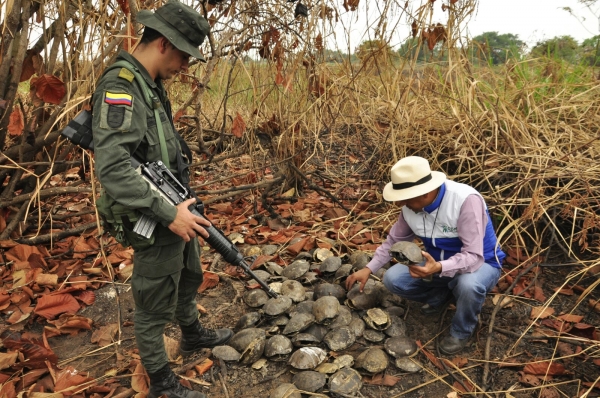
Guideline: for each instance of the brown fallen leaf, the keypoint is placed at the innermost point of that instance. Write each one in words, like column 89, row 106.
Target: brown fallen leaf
column 203, row 366
column 545, row 368
column 297, row 247
column 381, row 380
column 584, row 330
column 8, row 359
column 46, row 279
column 210, row 280
column 549, row 392
column 460, row 362
column 68, row 378
column 528, row 379
column 541, row 312
column 507, row 302
column 434, row 360
column 172, row 349
column 105, row 335
column 570, row 318
column 139, row 379
column 49, row 306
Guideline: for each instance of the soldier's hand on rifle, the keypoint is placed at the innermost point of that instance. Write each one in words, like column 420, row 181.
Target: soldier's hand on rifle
column 186, row 224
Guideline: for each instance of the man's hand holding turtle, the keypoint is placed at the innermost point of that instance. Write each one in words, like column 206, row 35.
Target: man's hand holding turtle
column 422, row 271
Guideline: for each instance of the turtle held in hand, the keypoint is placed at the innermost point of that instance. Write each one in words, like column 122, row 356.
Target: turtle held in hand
column 407, row 253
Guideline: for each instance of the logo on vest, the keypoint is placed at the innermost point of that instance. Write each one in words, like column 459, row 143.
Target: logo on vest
column 446, row 229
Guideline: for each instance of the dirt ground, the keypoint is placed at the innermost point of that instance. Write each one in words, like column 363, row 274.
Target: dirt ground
column 224, row 306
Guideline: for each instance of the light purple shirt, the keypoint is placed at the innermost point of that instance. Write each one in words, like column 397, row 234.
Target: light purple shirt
column 472, row 220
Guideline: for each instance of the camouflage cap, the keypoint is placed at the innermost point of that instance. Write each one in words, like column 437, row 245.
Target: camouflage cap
column 183, row 26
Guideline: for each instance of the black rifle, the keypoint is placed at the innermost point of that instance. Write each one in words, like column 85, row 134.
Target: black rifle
column 161, row 179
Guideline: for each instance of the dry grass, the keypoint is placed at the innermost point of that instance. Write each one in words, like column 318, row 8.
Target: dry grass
column 524, row 134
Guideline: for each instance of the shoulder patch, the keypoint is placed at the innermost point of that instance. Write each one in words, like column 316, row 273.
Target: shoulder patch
column 126, row 74
column 117, row 98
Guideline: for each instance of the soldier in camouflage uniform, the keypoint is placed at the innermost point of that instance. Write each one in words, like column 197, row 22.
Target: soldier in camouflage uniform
column 167, row 270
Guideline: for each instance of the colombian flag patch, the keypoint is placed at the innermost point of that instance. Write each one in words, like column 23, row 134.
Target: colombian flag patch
column 117, row 99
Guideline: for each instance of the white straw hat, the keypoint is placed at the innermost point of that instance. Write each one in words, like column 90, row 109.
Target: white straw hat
column 412, row 177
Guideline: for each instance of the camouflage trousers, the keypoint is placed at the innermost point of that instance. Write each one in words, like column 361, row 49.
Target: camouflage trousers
column 165, row 282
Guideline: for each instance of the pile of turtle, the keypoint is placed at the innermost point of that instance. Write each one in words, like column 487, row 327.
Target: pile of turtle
column 315, row 325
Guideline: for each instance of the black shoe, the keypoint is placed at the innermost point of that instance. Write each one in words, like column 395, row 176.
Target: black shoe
column 429, row 310
column 450, row 345
column 164, row 382
column 195, row 337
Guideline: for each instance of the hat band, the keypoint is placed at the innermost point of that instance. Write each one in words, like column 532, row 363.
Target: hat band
column 405, row 185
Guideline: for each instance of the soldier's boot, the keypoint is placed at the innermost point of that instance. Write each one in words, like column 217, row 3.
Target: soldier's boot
column 195, row 337
column 165, row 383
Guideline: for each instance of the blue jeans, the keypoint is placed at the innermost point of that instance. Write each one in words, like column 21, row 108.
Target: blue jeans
column 469, row 290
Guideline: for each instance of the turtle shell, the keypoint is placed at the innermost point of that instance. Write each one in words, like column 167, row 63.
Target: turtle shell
column 395, row 311
column 251, row 251
column 244, row 337
column 253, row 351
column 262, row 275
column 391, row 300
column 369, row 298
column 247, row 320
column 342, row 273
column 296, row 269
column 321, row 254
column 299, row 323
column 294, row 290
column 397, row 327
column 305, row 307
column 339, row 339
column 268, row 250
column 345, row 381
column 373, row 360
column 357, row 325
column 226, row 353
column 285, row 390
column 280, row 320
column 301, row 255
column 255, row 298
column 277, row 306
column 344, row 361
column 309, row 380
column 309, row 278
column 325, row 309
column 377, row 319
column 305, row 340
column 329, row 289
column 327, row 368
column 270, row 330
column 276, row 287
column 374, row 336
column 307, row 358
column 319, row 331
column 330, row 265
column 343, row 319
column 273, row 268
column 278, row 347
column 407, row 364
column 359, row 259
column 400, row 346
column 406, row 252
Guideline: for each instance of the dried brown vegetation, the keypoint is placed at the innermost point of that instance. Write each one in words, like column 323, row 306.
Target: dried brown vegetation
column 525, row 134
